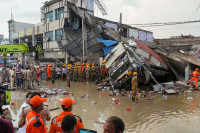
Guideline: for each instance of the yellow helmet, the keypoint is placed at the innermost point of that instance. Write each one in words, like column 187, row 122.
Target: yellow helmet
column 135, row 73
column 104, row 61
column 53, row 66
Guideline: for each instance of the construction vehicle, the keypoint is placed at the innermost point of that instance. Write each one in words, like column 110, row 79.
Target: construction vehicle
column 13, row 49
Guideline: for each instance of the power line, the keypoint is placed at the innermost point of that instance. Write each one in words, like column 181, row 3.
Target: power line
column 164, row 24
column 174, row 28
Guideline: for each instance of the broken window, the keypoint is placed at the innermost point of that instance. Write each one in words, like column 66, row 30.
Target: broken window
column 49, row 16
column 49, row 35
column 59, row 12
column 58, row 34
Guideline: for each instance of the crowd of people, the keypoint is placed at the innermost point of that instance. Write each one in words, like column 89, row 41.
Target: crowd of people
column 28, row 77
column 34, row 114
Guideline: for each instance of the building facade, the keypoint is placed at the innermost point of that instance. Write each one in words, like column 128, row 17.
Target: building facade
column 68, row 27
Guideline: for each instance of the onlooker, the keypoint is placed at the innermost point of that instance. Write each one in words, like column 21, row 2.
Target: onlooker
column 44, row 113
column 19, row 77
column 67, row 106
column 59, row 72
column 34, row 122
column 3, row 112
column 69, row 124
column 24, row 105
column 113, row 125
column 6, row 126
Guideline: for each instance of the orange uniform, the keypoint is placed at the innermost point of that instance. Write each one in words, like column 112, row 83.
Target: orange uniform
column 34, row 123
column 49, row 72
column 56, row 123
column 38, row 74
column 195, row 75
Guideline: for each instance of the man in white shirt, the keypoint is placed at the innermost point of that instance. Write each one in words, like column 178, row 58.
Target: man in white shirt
column 25, row 104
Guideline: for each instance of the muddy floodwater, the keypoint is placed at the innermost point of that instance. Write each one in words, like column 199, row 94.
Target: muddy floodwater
column 166, row 114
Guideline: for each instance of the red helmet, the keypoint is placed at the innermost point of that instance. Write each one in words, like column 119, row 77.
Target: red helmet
column 197, row 69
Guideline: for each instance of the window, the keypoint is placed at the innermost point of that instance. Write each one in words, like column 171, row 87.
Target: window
column 49, row 35
column 59, row 12
column 49, row 15
column 58, row 34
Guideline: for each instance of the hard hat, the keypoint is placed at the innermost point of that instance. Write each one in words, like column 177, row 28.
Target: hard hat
column 53, row 66
column 135, row 73
column 197, row 69
column 104, row 61
column 64, row 65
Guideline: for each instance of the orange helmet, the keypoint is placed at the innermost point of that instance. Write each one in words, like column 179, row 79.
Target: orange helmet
column 197, row 69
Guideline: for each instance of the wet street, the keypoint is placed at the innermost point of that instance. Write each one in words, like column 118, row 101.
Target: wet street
column 173, row 114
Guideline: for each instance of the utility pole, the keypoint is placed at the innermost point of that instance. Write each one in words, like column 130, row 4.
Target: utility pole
column 83, row 39
column 120, row 27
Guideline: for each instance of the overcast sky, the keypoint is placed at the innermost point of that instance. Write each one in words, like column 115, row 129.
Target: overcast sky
column 134, row 12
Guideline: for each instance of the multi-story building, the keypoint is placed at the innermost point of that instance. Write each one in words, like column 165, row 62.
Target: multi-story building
column 1, row 38
column 68, row 27
column 15, row 28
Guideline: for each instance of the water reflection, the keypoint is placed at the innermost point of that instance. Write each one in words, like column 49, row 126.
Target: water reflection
column 171, row 115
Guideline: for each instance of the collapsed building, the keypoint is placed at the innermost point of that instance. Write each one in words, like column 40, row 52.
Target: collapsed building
column 69, row 32
column 181, row 53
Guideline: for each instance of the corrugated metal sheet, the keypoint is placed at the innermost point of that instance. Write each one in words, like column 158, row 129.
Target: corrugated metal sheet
column 75, row 47
column 150, row 51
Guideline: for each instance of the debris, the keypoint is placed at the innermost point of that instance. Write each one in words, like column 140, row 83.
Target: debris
column 93, row 102
column 151, row 98
column 84, row 96
column 128, row 109
column 190, row 98
column 182, row 84
column 102, row 121
column 54, row 109
column 12, row 103
column 170, row 91
column 165, row 97
column 84, row 110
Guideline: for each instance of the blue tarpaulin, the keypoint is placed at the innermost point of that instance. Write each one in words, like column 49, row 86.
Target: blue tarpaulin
column 106, row 50
column 109, row 45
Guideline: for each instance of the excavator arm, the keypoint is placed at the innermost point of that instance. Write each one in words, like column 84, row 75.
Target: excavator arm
column 13, row 49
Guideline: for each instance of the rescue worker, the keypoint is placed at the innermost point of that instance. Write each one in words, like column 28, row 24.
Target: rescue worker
column 80, row 75
column 102, row 69
column 195, row 75
column 12, row 78
column 45, row 72
column 49, row 72
column 93, row 72
column 44, row 113
column 69, row 75
column 75, row 73
column 3, row 71
column 134, row 84
column 87, row 70
column 83, row 71
column 29, row 78
column 34, row 122
column 53, row 74
column 33, row 77
column 67, row 106
column 38, row 73
column 64, row 72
